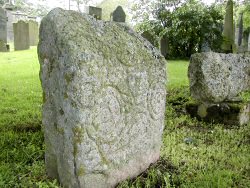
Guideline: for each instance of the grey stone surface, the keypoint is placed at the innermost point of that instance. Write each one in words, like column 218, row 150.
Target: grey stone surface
column 104, row 100
column 3, row 25
column 164, row 47
column 3, row 30
column 216, row 77
column 118, row 15
column 248, row 45
column 93, row 11
column 21, row 35
column 148, row 36
column 10, row 31
column 33, row 33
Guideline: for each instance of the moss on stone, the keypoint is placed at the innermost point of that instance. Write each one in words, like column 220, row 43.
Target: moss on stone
column 69, row 77
column 81, row 171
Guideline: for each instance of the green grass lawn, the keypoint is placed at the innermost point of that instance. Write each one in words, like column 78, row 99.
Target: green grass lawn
column 194, row 154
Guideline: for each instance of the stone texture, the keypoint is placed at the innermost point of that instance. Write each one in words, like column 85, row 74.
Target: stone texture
column 3, row 25
column 228, row 45
column 21, row 35
column 216, row 77
column 94, row 11
column 3, row 30
column 33, row 33
column 104, row 100
column 119, row 15
column 164, row 47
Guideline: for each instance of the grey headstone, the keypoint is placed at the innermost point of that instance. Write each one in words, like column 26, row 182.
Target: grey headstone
column 3, row 30
column 217, row 77
column 248, row 43
column 93, row 11
column 10, row 31
column 164, row 47
column 119, row 15
column 21, row 35
column 148, row 36
column 33, row 33
column 104, row 100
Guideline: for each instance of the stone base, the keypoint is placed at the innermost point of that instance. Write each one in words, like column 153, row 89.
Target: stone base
column 233, row 113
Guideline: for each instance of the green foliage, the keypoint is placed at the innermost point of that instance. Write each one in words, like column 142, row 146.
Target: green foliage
column 188, row 26
column 216, row 156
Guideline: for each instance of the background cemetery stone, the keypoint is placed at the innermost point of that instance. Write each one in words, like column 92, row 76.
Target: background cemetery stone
column 217, row 77
column 148, row 36
column 104, row 100
column 164, row 45
column 21, row 35
column 33, row 33
column 93, row 11
column 3, row 30
column 249, row 42
column 118, row 15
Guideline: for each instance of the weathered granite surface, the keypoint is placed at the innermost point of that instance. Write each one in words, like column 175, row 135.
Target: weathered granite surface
column 217, row 77
column 104, row 100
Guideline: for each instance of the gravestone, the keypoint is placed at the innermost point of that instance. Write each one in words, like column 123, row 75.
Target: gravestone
column 148, row 36
column 164, row 45
column 33, row 33
column 93, row 11
column 248, row 43
column 21, row 35
column 104, row 100
column 3, row 30
column 118, row 15
column 218, row 77
column 216, row 80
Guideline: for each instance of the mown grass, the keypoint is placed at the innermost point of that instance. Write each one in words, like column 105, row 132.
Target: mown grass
column 194, row 154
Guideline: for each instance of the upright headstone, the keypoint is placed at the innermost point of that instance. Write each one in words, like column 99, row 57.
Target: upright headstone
column 3, row 30
column 148, row 36
column 104, row 100
column 118, row 15
column 228, row 45
column 240, row 37
column 21, row 35
column 248, row 43
column 164, row 45
column 33, row 33
column 93, row 11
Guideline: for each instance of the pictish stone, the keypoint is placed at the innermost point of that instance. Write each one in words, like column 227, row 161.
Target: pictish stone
column 104, row 100
column 93, row 11
column 119, row 15
column 217, row 77
column 21, row 35
column 33, row 33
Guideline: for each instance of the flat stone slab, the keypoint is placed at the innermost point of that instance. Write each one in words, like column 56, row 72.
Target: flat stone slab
column 232, row 113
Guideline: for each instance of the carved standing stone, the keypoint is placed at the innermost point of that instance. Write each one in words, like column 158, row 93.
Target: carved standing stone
column 104, row 100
